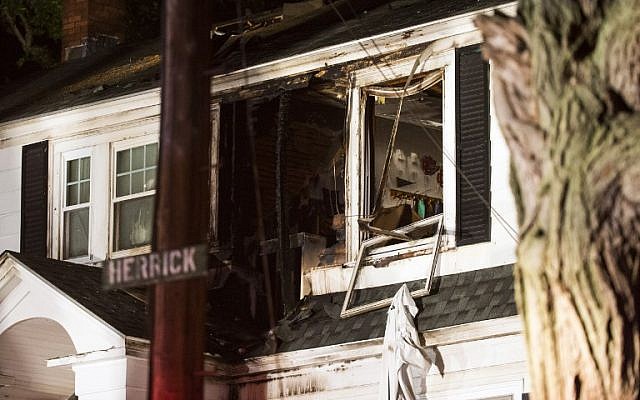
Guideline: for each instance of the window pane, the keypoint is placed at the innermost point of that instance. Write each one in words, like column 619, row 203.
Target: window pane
column 151, row 156
column 133, row 223
column 72, row 170
column 137, row 158
column 122, row 185
column 150, row 179
column 76, row 233
column 123, row 161
column 414, row 175
column 85, row 167
column 137, row 182
column 72, row 194
column 84, row 192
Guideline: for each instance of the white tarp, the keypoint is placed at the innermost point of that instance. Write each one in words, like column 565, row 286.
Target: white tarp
column 401, row 351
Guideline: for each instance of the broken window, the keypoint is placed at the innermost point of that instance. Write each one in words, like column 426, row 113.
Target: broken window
column 285, row 161
column 282, row 175
column 408, row 156
column 404, row 189
column 437, row 162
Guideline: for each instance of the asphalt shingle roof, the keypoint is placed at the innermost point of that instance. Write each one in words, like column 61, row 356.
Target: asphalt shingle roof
column 136, row 67
column 456, row 299
column 127, row 69
column 390, row 17
column 84, row 285
column 121, row 310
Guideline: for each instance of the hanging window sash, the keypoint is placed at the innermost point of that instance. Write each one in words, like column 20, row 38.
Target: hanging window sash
column 408, row 233
column 369, row 244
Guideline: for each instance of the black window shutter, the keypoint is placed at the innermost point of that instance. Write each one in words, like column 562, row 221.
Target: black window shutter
column 33, row 222
column 473, row 176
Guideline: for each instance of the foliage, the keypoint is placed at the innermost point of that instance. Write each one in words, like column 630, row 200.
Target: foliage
column 33, row 23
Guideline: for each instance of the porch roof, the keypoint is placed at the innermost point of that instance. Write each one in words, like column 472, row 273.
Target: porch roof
column 456, row 299
column 83, row 284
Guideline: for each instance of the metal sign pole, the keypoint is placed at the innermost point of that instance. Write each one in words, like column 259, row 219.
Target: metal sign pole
column 182, row 199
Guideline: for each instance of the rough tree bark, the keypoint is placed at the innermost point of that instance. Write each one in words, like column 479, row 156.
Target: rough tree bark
column 566, row 85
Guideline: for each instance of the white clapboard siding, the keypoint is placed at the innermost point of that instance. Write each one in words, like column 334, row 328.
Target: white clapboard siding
column 24, row 351
column 10, row 167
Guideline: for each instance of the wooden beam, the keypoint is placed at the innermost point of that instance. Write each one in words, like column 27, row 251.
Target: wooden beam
column 265, row 90
column 260, row 229
column 316, row 60
column 283, row 263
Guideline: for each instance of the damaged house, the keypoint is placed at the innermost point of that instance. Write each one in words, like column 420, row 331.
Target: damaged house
column 354, row 151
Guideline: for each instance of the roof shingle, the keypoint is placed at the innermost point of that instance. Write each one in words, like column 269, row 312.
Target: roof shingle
column 84, row 285
column 456, row 299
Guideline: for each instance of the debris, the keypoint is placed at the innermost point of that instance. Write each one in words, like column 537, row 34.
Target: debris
column 401, row 349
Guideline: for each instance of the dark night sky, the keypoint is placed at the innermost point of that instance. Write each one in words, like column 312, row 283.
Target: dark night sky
column 146, row 11
column 10, row 50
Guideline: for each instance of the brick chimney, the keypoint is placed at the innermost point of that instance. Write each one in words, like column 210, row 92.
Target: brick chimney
column 91, row 26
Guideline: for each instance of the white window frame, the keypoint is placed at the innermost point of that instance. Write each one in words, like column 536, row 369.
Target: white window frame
column 100, row 148
column 347, row 311
column 64, row 158
column 356, row 153
column 113, row 199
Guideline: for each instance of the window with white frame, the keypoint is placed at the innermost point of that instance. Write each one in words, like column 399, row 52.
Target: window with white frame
column 403, row 191
column 103, row 197
column 418, row 168
column 410, row 151
column 134, row 185
column 403, row 180
column 439, row 161
column 76, row 205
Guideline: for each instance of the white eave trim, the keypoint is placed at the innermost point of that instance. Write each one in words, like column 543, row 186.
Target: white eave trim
column 59, row 292
column 114, row 114
column 97, row 355
column 219, row 370
column 381, row 44
column 493, row 328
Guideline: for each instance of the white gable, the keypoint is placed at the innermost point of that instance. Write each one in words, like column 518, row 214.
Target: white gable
column 25, row 295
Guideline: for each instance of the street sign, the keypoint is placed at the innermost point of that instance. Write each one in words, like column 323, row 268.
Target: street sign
column 152, row 268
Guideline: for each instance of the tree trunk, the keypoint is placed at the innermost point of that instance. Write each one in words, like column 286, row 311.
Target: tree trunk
column 566, row 86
